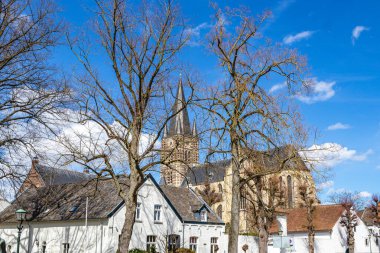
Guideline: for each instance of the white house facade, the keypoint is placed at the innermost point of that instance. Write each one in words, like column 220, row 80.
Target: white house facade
column 74, row 218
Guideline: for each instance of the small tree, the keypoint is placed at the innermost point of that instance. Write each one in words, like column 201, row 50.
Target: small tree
column 210, row 196
column 309, row 202
column 349, row 220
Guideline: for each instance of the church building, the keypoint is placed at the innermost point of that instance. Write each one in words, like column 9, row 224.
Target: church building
column 180, row 151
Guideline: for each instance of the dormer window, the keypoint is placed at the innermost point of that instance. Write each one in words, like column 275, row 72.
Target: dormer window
column 204, row 215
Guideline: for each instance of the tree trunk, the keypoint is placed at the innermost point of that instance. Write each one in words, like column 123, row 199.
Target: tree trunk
column 130, row 212
column 233, row 235
column 311, row 240
column 263, row 236
column 351, row 240
column 262, row 218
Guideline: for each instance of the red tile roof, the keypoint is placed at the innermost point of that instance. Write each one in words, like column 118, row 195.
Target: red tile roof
column 325, row 217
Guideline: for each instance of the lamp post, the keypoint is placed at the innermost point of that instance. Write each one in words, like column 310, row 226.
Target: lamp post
column 20, row 216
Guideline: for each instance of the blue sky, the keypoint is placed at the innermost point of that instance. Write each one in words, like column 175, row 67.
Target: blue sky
column 341, row 41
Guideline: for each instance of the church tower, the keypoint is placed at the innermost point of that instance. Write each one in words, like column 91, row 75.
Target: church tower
column 180, row 142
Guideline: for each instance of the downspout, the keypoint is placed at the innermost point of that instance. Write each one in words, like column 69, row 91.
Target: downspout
column 183, row 234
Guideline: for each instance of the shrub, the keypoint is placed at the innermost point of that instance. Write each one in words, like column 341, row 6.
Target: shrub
column 137, row 251
column 184, row 250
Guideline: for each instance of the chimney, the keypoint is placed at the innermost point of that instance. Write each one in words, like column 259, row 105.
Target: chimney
column 282, row 224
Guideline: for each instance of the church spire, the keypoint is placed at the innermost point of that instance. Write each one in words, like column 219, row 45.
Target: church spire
column 180, row 124
column 194, row 131
column 166, row 131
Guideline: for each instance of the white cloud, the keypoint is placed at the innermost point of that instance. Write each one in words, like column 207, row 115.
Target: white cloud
column 290, row 39
column 277, row 87
column 318, row 91
column 195, row 34
column 332, row 154
column 338, row 126
column 357, row 31
column 325, row 185
column 365, row 194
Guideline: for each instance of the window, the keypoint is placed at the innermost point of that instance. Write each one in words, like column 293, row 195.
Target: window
column 157, row 212
column 138, row 211
column 151, row 243
column 214, row 245
column 173, row 243
column 193, row 243
column 377, row 240
column 243, row 199
column 219, row 211
column 366, row 242
column 290, row 192
column 203, row 215
column 220, row 187
column 66, row 247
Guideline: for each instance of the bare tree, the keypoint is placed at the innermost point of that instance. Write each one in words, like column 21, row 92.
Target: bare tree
column 309, row 202
column 264, row 195
column 209, row 195
column 245, row 117
column 29, row 93
column 128, row 99
column 374, row 207
column 349, row 220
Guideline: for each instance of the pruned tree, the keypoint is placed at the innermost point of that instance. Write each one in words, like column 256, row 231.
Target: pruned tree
column 374, row 207
column 128, row 99
column 30, row 94
column 245, row 116
column 264, row 195
column 349, row 220
column 309, row 203
column 209, row 195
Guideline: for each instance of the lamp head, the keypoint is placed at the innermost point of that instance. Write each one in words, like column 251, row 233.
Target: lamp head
column 20, row 214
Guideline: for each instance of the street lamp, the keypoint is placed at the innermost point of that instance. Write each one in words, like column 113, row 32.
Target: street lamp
column 20, row 216
column 369, row 237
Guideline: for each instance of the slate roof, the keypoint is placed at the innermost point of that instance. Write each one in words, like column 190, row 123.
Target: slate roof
column 324, row 219
column 55, row 176
column 66, row 202
column 187, row 203
column 180, row 123
column 208, row 172
column 271, row 160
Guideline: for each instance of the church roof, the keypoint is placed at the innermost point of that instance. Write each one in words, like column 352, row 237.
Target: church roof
column 180, row 123
column 285, row 157
column 207, row 173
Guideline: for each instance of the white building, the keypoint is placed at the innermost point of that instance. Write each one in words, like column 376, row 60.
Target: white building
column 330, row 235
column 57, row 217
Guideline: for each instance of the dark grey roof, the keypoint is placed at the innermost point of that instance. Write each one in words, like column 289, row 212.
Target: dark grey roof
column 285, row 158
column 187, row 203
column 66, row 202
column 55, row 176
column 180, row 123
column 207, row 173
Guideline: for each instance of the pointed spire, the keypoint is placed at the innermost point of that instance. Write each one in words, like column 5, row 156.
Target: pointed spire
column 180, row 123
column 194, row 131
column 166, row 131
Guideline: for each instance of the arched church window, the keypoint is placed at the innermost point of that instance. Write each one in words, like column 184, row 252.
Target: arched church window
column 219, row 211
column 290, row 191
column 220, row 187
